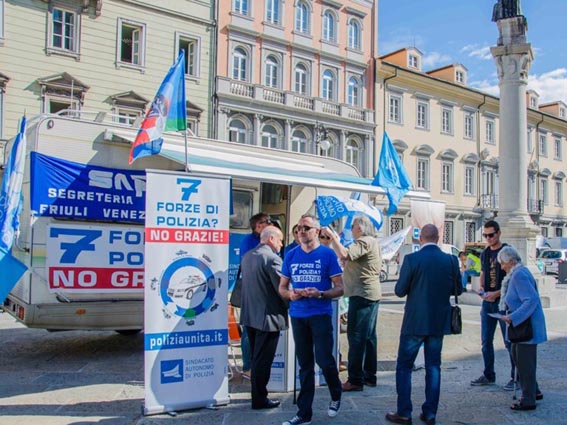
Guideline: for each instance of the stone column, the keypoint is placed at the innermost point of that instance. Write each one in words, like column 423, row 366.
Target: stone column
column 513, row 56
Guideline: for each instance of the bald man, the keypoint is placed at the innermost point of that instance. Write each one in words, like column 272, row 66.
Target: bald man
column 428, row 278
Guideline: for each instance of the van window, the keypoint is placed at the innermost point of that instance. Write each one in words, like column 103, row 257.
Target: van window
column 551, row 254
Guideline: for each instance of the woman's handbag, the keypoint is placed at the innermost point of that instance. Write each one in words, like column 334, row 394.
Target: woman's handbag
column 236, row 294
column 522, row 332
column 456, row 319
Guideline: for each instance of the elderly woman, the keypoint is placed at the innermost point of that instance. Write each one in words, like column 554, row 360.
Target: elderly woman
column 363, row 261
column 523, row 303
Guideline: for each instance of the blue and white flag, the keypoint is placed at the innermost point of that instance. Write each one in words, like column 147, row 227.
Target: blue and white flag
column 11, row 269
column 331, row 208
column 391, row 175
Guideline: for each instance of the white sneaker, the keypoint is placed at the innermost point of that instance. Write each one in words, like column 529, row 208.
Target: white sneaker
column 334, row 407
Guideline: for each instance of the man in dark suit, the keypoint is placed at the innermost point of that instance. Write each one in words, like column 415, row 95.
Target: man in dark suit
column 428, row 278
column 264, row 313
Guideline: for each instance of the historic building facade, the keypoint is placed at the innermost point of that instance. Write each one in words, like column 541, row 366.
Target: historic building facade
column 102, row 55
column 447, row 136
column 298, row 75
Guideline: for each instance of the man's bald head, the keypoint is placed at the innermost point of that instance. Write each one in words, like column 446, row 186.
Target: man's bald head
column 429, row 233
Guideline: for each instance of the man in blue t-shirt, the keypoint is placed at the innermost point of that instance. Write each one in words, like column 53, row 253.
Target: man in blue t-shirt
column 311, row 278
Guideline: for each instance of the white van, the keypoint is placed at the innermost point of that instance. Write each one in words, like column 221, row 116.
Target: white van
column 82, row 239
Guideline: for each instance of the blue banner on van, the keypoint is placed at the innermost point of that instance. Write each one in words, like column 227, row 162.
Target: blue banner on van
column 66, row 189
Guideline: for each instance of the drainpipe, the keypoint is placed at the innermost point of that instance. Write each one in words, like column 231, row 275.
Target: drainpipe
column 478, row 178
column 213, row 120
column 536, row 150
column 383, row 115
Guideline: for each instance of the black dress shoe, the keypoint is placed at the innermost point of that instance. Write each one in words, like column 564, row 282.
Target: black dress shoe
column 539, row 396
column 430, row 421
column 269, row 404
column 369, row 383
column 520, row 406
column 397, row 419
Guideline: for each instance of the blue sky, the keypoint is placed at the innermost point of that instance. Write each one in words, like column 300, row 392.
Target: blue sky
column 450, row 31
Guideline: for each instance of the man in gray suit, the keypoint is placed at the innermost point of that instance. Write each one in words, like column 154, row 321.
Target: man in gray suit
column 264, row 313
column 428, row 278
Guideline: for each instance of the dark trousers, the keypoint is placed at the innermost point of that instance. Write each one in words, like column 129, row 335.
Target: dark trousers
column 362, row 341
column 313, row 338
column 525, row 356
column 487, row 329
column 407, row 352
column 263, row 349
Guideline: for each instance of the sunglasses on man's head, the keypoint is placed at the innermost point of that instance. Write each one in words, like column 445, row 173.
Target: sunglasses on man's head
column 267, row 221
column 489, row 235
column 305, row 228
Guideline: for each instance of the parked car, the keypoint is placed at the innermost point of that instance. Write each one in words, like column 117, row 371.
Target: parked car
column 551, row 259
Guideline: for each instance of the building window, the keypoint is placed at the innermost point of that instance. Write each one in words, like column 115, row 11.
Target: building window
column 562, row 112
column 447, row 121
column 354, row 34
column 240, row 64
column 273, row 11
column 544, row 231
column 557, row 151
column 241, row 6
column 353, row 97
column 490, row 132
column 127, row 116
column 533, row 102
column 64, row 30
column 132, row 43
column 460, row 77
column 395, row 109
column 529, row 140
column 301, row 78
column 413, row 63
column 54, row 104
column 396, row 224
column 329, row 27
column 558, row 232
column 447, row 177
column 448, row 232
column 470, row 231
column 328, row 85
column 558, row 194
column 422, row 120
column 352, row 153
column 191, row 46
column 470, row 180
column 272, row 71
column 543, row 191
column 299, row 142
column 1, row 22
column 542, row 145
column 269, row 136
column 237, row 132
column 422, row 174
column 469, row 125
column 302, row 17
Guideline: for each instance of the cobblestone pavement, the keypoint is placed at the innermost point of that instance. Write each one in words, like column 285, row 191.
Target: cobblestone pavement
column 97, row 378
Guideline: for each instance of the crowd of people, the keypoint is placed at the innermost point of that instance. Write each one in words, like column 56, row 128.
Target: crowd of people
column 317, row 268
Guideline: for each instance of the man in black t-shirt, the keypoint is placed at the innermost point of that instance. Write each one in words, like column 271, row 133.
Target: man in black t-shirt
column 491, row 277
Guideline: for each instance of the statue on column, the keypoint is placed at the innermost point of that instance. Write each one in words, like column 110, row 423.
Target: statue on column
column 504, row 9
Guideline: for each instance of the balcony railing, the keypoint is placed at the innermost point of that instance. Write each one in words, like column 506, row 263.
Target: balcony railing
column 294, row 100
column 489, row 201
column 535, row 206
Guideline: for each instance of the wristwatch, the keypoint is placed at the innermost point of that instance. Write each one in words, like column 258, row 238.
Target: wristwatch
column 321, row 295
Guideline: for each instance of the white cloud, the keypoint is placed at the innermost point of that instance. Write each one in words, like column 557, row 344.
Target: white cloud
column 550, row 86
column 486, row 86
column 435, row 59
column 474, row 51
column 403, row 37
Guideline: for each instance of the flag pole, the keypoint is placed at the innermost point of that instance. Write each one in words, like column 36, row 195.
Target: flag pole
column 187, row 169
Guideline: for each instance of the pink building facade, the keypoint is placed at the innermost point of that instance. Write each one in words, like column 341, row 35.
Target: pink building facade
column 299, row 75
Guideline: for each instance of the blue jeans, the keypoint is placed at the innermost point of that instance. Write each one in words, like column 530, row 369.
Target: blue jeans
column 487, row 329
column 362, row 341
column 465, row 276
column 407, row 352
column 313, row 338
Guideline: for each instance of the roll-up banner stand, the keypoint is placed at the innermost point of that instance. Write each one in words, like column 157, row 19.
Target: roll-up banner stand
column 186, row 291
